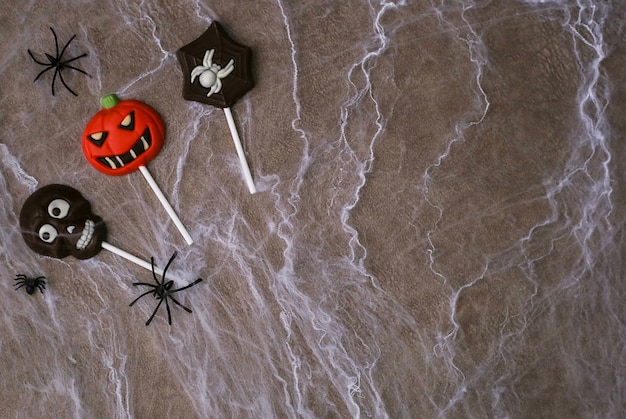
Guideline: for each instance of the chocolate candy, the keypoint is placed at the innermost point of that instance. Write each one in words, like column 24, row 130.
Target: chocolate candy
column 216, row 70
column 56, row 220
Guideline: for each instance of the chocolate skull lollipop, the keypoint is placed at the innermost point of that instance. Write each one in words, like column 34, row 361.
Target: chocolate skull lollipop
column 122, row 138
column 217, row 71
column 57, row 221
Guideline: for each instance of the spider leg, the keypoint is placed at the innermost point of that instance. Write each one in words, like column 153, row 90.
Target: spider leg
column 227, row 70
column 20, row 285
column 35, row 59
column 208, row 58
column 180, row 305
column 77, row 69
column 135, row 300
column 56, row 71
column 65, row 47
column 154, row 312
column 56, row 42
column 154, row 273
column 187, row 286
column 180, row 289
column 39, row 283
column 64, row 65
column 145, row 283
column 43, row 71
column 168, row 265
column 169, row 315
column 73, row 59
column 196, row 72
column 64, row 84
column 215, row 88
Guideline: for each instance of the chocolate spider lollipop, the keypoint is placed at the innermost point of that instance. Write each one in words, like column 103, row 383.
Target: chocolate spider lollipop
column 57, row 221
column 217, row 71
column 123, row 137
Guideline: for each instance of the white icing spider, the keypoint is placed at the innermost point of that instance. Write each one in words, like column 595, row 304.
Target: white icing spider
column 211, row 75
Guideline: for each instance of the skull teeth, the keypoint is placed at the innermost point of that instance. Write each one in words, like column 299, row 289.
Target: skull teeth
column 141, row 146
column 86, row 235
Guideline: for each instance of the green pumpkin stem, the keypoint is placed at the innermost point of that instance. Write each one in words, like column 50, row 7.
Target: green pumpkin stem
column 109, row 101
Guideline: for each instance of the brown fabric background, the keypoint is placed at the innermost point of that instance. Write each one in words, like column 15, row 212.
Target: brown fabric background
column 438, row 229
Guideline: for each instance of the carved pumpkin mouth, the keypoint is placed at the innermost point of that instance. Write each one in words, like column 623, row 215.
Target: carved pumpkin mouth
column 117, row 161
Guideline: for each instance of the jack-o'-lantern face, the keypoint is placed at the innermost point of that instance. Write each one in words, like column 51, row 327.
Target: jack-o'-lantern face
column 57, row 221
column 122, row 136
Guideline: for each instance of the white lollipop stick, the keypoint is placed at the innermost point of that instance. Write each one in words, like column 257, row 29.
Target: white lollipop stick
column 132, row 258
column 242, row 157
column 170, row 211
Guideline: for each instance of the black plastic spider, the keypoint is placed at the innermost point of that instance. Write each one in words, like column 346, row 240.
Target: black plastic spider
column 162, row 291
column 58, row 64
column 30, row 283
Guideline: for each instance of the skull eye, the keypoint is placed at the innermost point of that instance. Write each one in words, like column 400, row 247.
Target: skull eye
column 128, row 123
column 58, row 208
column 47, row 233
column 98, row 138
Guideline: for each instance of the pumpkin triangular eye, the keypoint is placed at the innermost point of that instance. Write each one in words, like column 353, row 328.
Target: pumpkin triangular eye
column 128, row 122
column 98, row 138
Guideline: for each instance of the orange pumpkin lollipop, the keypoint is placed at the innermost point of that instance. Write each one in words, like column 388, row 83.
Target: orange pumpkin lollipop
column 123, row 137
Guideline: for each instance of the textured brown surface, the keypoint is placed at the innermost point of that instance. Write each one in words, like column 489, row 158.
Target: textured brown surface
column 438, row 229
